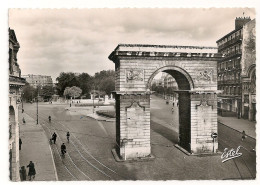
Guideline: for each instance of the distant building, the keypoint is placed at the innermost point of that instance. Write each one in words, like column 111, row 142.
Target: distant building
column 38, row 80
column 169, row 81
column 157, row 82
column 235, row 68
column 15, row 86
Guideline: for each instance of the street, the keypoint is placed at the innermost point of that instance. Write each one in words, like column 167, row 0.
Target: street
column 89, row 155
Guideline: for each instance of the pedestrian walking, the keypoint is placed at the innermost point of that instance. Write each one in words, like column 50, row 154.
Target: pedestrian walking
column 63, row 150
column 49, row 118
column 20, row 143
column 68, row 136
column 243, row 135
column 32, row 171
column 173, row 104
column 22, row 110
column 54, row 136
column 172, row 110
column 24, row 121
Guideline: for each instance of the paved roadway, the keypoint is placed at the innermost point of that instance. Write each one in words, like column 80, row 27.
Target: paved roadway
column 89, row 154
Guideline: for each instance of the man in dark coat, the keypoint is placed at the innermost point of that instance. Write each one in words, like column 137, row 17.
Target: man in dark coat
column 54, row 136
column 32, row 171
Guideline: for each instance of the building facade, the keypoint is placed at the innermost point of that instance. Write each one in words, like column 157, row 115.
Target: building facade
column 230, row 69
column 248, row 71
column 171, row 85
column 15, row 85
column 38, row 80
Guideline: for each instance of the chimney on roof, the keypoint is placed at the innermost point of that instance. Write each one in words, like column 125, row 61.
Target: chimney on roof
column 241, row 21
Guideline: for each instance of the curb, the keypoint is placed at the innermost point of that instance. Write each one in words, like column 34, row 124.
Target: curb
column 54, row 166
column 98, row 119
column 235, row 130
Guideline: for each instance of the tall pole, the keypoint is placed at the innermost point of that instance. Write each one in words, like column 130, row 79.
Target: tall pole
column 93, row 100
column 37, row 103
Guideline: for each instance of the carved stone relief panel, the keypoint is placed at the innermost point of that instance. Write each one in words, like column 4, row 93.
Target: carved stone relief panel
column 205, row 76
column 134, row 75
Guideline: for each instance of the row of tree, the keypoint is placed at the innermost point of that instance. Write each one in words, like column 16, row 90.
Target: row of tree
column 163, row 90
column 29, row 92
column 73, row 85
column 102, row 82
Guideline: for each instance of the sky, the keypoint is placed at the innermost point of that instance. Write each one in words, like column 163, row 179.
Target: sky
column 80, row 40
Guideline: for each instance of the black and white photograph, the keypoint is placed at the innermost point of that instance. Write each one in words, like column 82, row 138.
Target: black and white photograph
column 131, row 94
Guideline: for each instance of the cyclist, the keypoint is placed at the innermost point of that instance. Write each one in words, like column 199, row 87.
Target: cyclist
column 63, row 149
column 49, row 118
column 68, row 136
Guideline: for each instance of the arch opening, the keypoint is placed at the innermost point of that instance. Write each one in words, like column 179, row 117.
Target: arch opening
column 181, row 123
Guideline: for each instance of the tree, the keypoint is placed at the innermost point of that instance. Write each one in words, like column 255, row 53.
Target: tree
column 66, row 80
column 85, row 83
column 28, row 92
column 105, row 81
column 47, row 92
column 75, row 92
column 66, row 92
column 108, row 85
column 72, row 92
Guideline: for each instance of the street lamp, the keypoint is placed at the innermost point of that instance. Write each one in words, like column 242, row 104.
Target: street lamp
column 37, row 103
column 37, row 121
column 93, row 100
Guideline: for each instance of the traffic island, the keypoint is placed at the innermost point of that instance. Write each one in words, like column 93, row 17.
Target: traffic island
column 137, row 159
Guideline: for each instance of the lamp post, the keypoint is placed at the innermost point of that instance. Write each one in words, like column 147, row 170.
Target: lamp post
column 37, row 103
column 93, row 100
column 37, row 109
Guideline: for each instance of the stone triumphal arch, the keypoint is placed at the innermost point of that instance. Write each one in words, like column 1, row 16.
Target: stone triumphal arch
column 194, row 69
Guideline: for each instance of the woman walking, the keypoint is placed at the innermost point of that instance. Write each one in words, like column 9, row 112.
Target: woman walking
column 32, row 171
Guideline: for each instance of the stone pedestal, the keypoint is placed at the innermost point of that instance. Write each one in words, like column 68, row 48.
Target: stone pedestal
column 106, row 100
column 133, row 125
column 203, row 112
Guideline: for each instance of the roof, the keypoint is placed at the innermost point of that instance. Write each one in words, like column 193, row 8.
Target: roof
column 165, row 48
column 230, row 33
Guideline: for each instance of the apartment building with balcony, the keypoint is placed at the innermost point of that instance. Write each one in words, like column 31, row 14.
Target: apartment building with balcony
column 230, row 78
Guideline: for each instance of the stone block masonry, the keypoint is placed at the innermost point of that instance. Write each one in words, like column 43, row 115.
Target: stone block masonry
column 196, row 76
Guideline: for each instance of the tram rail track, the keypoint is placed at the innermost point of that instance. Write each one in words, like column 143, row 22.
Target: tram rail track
column 80, row 149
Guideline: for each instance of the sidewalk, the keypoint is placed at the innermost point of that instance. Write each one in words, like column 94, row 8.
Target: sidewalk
column 36, row 148
column 239, row 125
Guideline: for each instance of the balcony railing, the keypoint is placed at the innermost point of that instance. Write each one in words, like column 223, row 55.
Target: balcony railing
column 233, row 53
column 230, row 42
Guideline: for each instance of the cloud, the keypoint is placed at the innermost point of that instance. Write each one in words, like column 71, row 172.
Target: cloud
column 80, row 40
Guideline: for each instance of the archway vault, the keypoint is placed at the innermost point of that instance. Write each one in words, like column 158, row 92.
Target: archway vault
column 196, row 75
column 176, row 72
